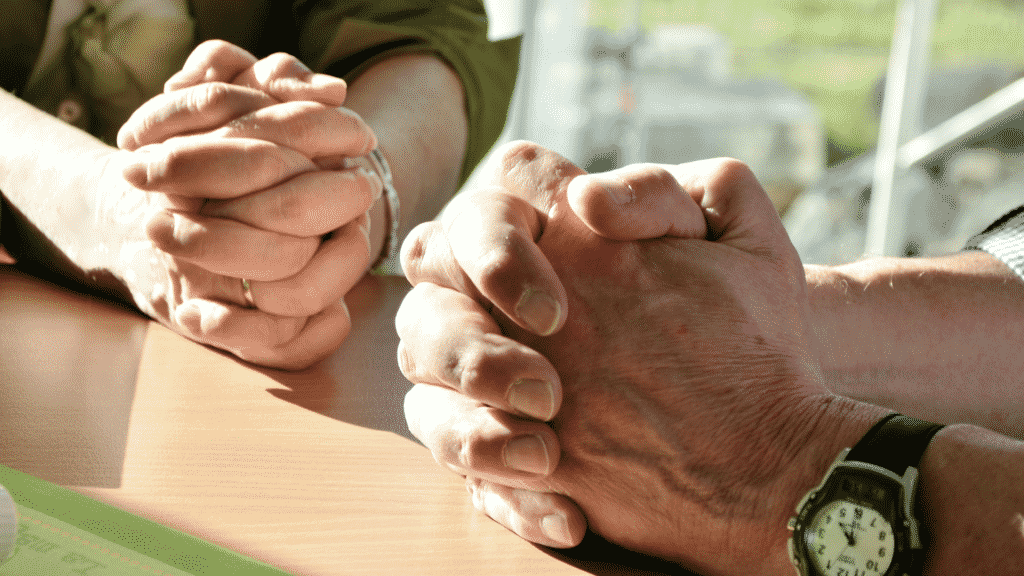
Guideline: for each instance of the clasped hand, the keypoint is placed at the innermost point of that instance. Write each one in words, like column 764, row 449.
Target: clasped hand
column 243, row 165
column 655, row 316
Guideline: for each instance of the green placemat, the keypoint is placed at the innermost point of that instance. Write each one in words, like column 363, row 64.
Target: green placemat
column 63, row 532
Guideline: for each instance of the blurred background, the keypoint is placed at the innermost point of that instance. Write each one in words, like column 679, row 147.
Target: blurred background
column 915, row 106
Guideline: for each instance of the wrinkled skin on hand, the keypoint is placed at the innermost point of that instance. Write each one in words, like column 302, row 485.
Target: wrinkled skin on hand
column 688, row 386
column 238, row 171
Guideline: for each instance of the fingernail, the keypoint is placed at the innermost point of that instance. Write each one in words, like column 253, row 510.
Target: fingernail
column 374, row 179
column 539, row 311
column 618, row 190
column 527, row 454
column 556, row 527
column 533, row 398
column 136, row 171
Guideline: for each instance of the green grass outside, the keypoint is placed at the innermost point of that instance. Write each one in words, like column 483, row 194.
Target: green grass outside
column 834, row 51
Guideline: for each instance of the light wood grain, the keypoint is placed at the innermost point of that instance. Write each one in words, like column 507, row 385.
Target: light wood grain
column 313, row 472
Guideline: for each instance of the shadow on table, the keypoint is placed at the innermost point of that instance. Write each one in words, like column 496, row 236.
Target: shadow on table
column 68, row 368
column 600, row 557
column 360, row 383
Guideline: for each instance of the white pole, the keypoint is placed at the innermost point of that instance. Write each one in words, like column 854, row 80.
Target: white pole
column 905, row 87
column 997, row 108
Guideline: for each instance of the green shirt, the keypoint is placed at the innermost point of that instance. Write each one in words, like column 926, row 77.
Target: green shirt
column 454, row 30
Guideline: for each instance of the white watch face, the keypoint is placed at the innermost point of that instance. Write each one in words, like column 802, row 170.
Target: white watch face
column 849, row 539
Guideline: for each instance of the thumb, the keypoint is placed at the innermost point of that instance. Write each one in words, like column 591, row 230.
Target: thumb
column 637, row 202
column 736, row 208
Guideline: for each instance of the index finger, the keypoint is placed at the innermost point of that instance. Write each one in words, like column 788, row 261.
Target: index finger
column 192, row 109
column 286, row 78
column 280, row 75
column 211, row 61
column 638, row 202
column 485, row 247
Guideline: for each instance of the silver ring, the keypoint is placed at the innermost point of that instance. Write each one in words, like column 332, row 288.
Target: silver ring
column 247, row 293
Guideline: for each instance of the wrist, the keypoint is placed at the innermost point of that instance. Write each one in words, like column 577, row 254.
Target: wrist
column 797, row 445
column 112, row 246
column 840, row 424
column 424, row 151
column 862, row 323
column 836, row 298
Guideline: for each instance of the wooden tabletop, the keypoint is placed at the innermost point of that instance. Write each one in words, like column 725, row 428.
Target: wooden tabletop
column 314, row 472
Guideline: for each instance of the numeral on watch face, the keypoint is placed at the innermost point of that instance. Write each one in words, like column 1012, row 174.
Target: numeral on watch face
column 848, row 539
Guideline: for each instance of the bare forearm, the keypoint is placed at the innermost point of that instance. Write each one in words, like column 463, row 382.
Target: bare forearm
column 49, row 178
column 937, row 338
column 415, row 105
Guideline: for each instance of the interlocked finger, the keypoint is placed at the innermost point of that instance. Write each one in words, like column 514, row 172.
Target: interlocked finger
column 638, row 202
column 311, row 128
column 539, row 517
column 338, row 264
column 211, row 167
column 230, row 248
column 277, row 341
column 281, row 75
column 449, row 340
column 426, row 257
column 196, row 108
column 470, row 438
column 211, row 61
column 486, row 247
column 286, row 78
column 309, row 204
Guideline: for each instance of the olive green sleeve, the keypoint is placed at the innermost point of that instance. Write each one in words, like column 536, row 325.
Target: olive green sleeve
column 364, row 32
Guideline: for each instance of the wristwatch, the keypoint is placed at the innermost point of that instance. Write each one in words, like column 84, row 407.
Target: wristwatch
column 860, row 520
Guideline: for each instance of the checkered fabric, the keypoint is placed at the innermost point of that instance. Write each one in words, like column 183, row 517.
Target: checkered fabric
column 1004, row 239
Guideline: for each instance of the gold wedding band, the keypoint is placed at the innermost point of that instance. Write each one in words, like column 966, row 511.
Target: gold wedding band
column 247, row 293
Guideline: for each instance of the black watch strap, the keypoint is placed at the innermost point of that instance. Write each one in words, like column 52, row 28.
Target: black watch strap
column 895, row 443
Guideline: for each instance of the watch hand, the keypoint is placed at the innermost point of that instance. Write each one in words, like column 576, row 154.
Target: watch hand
column 848, row 532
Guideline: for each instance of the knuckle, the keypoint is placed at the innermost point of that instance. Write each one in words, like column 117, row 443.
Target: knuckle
column 405, row 361
column 282, row 207
column 167, row 167
column 299, row 254
column 660, row 175
column 215, row 49
column 466, row 369
column 208, row 96
column 282, row 64
column 289, row 303
column 468, row 449
column 413, row 255
column 268, row 158
column 478, row 366
column 263, row 331
column 518, row 152
column 495, row 266
column 731, row 170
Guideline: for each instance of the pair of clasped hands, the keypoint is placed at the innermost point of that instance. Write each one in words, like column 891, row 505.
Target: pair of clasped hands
column 243, row 165
column 627, row 351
